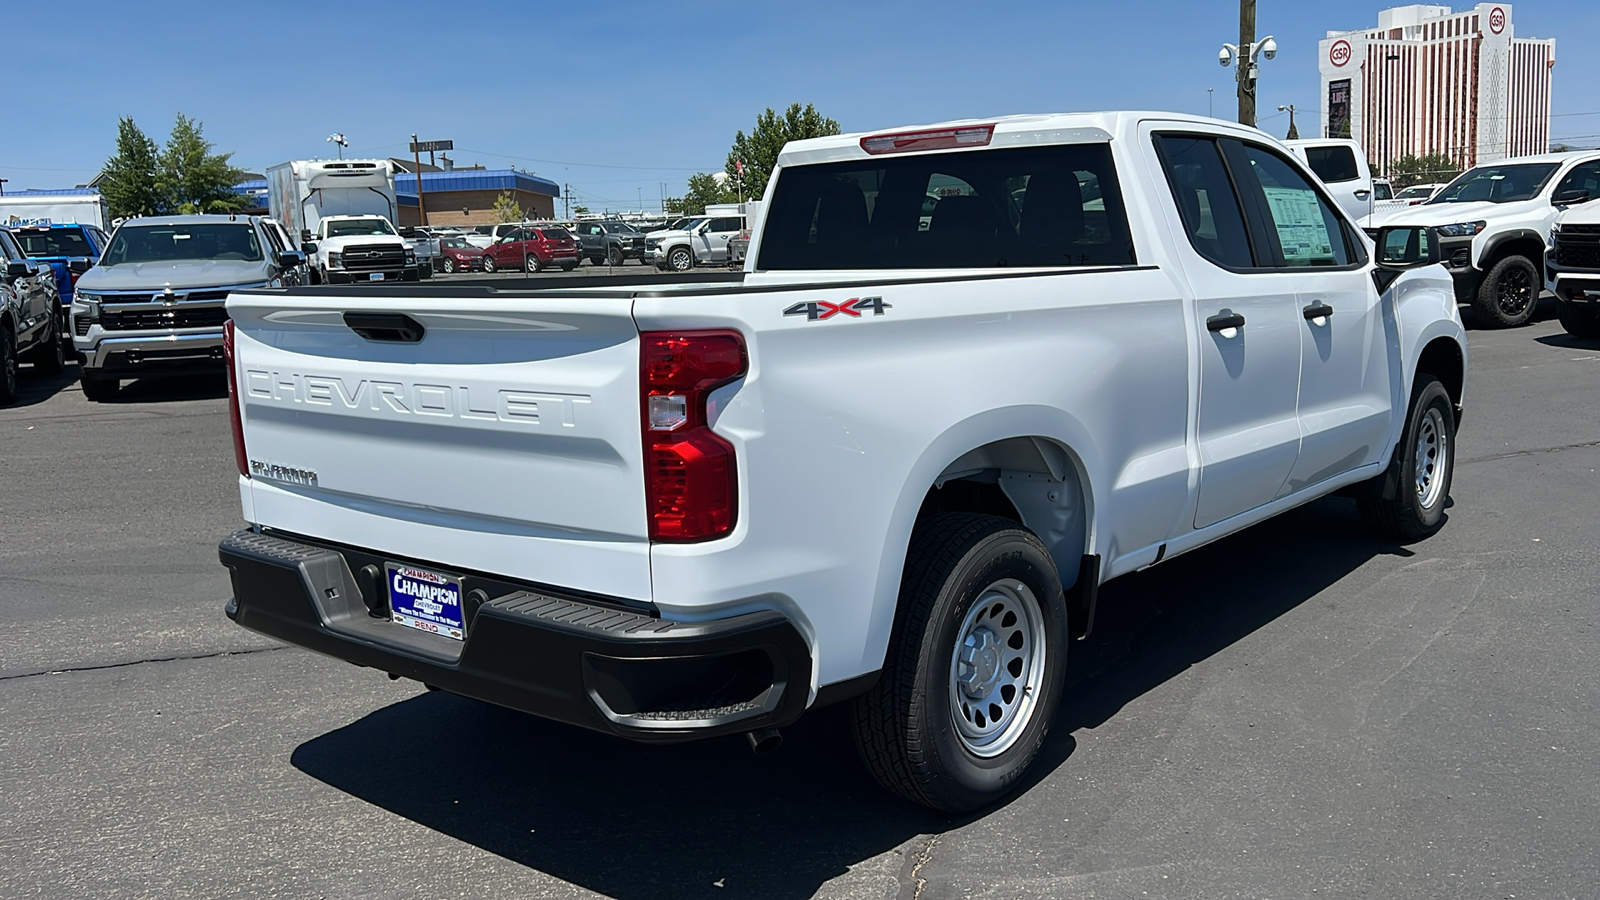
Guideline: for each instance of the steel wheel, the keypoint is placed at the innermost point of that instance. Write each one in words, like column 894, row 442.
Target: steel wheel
column 1515, row 292
column 997, row 667
column 1432, row 458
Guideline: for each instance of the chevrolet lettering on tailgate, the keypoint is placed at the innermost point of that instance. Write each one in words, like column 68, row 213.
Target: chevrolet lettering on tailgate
column 403, row 399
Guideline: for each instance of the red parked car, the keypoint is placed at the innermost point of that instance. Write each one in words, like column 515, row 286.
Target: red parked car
column 533, row 248
column 459, row 256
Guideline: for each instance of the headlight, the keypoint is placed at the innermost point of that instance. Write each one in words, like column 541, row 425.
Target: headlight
column 1462, row 229
column 411, row 257
column 335, row 261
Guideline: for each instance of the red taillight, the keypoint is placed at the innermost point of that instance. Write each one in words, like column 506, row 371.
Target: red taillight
column 691, row 481
column 235, row 422
column 936, row 139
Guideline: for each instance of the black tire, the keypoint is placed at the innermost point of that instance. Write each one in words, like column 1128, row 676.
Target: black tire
column 1579, row 321
column 614, row 256
column 1417, row 509
column 1509, row 293
column 449, row 266
column 680, row 259
column 908, row 728
column 532, row 266
column 8, row 366
column 316, row 277
column 99, row 389
column 50, row 357
column 488, row 263
column 568, row 267
column 597, row 260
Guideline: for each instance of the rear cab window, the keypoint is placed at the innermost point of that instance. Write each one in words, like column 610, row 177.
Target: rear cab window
column 1333, row 164
column 54, row 242
column 1039, row 206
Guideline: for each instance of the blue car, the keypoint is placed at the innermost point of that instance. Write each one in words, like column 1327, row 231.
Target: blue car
column 59, row 245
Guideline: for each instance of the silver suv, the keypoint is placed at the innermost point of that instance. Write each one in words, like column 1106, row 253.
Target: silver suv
column 155, row 304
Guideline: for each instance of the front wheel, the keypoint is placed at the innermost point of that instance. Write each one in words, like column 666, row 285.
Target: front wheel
column 680, row 259
column 1425, row 464
column 1579, row 321
column 8, row 366
column 974, row 673
column 614, row 256
column 488, row 264
column 449, row 266
column 1509, row 293
column 51, row 357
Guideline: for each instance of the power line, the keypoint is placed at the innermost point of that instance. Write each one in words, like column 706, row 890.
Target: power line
column 559, row 162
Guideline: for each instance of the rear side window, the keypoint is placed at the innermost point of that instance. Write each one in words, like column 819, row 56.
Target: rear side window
column 1028, row 206
column 1333, row 164
column 1206, row 199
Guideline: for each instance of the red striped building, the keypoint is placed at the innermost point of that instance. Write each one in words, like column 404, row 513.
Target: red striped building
column 1428, row 80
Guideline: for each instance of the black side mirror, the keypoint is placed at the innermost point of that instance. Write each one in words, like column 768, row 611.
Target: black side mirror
column 305, row 235
column 17, row 268
column 79, row 266
column 1571, row 198
column 289, row 259
column 308, row 247
column 1401, row 249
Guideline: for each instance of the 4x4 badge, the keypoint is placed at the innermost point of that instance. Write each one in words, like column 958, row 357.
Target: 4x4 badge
column 816, row 310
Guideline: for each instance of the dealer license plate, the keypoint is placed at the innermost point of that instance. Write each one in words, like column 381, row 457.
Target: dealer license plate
column 425, row 600
column 375, row 276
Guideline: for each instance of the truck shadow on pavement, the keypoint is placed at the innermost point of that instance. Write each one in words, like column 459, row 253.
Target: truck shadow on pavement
column 173, row 389
column 633, row 821
column 34, row 388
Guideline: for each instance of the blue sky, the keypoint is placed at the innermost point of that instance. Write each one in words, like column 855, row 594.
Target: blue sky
column 616, row 98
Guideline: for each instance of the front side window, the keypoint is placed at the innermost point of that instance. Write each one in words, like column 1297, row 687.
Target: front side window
column 9, row 248
column 1333, row 164
column 169, row 243
column 1302, row 226
column 1024, row 206
column 1497, row 184
column 1583, row 177
column 1206, row 200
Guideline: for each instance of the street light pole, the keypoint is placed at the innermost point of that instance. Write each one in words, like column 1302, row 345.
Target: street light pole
column 1210, row 95
column 1293, row 131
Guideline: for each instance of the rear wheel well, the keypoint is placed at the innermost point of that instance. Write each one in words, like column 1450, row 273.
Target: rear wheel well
column 1442, row 359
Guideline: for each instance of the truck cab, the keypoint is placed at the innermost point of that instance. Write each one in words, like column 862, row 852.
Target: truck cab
column 347, row 249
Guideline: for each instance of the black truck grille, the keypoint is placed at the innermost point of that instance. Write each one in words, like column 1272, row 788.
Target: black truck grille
column 373, row 258
column 1578, row 249
column 164, row 317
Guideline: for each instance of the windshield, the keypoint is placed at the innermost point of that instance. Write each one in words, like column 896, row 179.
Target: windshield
column 455, row 243
column 169, row 243
column 1412, row 193
column 54, row 242
column 689, row 224
column 1497, row 184
column 348, row 227
column 619, row 226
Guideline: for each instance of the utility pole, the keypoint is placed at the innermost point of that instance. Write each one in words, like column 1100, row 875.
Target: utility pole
column 566, row 201
column 416, row 161
column 1247, row 84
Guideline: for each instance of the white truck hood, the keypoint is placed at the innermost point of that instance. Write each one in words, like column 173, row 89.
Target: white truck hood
column 1583, row 214
column 339, row 243
column 1451, row 213
column 182, row 274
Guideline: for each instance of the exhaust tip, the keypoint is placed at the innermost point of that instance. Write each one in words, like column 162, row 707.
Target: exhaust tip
column 764, row 740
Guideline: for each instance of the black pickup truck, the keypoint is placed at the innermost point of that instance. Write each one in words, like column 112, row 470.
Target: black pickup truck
column 30, row 317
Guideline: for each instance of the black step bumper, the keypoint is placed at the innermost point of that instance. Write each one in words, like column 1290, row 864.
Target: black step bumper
column 570, row 659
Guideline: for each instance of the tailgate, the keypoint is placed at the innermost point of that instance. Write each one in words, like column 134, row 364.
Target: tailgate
column 505, row 441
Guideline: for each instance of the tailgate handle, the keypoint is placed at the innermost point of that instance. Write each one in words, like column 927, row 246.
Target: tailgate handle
column 396, row 327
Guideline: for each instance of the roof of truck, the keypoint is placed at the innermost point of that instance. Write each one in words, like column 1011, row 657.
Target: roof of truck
column 197, row 219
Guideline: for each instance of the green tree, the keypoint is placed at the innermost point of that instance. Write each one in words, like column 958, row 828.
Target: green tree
column 507, row 209
column 1434, row 168
column 759, row 150
column 579, row 210
column 128, row 179
column 703, row 189
column 191, row 178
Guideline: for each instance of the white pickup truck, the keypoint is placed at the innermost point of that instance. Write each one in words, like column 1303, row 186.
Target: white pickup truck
column 347, row 249
column 888, row 463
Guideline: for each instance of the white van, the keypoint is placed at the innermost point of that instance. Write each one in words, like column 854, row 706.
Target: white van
column 1342, row 166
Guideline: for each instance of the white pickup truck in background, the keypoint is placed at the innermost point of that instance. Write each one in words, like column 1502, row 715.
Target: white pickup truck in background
column 890, row 463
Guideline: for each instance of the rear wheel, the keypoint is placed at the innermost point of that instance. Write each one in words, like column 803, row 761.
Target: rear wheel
column 1579, row 321
column 973, row 676
column 488, row 264
column 51, row 357
column 1508, row 294
column 1425, row 462
column 99, row 389
column 532, row 265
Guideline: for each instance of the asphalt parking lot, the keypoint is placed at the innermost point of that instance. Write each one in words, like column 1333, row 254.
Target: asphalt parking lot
column 1297, row 711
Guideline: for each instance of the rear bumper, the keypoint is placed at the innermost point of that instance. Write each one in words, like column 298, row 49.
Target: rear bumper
column 575, row 660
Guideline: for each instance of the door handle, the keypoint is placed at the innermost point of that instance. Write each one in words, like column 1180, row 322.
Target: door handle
column 1224, row 320
column 1317, row 310
column 1362, row 195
